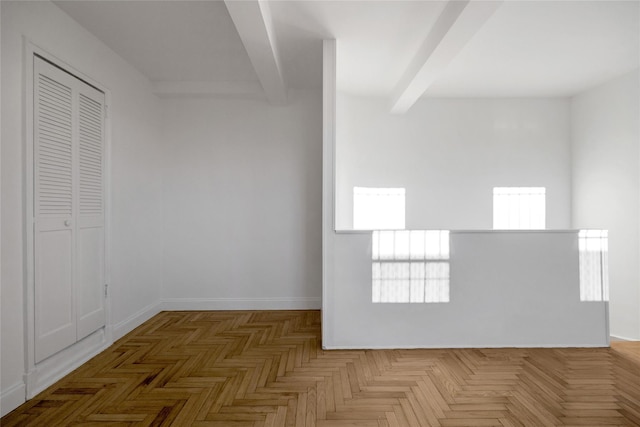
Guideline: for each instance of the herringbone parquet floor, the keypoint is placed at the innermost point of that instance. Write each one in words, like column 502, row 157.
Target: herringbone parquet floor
column 238, row 369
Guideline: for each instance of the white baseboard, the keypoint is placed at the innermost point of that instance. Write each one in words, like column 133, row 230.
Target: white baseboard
column 56, row 367
column 122, row 328
column 285, row 303
column 64, row 362
column 12, row 397
column 457, row 346
column 620, row 338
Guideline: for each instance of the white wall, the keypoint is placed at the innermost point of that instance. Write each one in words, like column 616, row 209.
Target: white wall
column 507, row 289
column 135, row 169
column 242, row 194
column 450, row 153
column 606, row 187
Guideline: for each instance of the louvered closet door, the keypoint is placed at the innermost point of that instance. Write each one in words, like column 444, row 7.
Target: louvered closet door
column 68, row 209
column 91, row 313
column 55, row 316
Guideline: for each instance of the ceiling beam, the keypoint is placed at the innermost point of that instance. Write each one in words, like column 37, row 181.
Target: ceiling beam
column 456, row 25
column 252, row 19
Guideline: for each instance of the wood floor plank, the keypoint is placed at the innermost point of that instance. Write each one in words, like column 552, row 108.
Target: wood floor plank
column 267, row 369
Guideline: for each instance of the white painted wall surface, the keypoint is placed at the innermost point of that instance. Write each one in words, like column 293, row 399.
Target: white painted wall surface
column 242, row 194
column 329, row 58
column 135, row 170
column 507, row 289
column 450, row 153
column 606, row 187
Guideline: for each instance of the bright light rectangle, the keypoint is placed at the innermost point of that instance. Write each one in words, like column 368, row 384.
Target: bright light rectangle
column 410, row 266
column 519, row 208
column 378, row 208
column 593, row 250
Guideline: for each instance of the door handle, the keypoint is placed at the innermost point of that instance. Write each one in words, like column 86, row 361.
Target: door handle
column 67, row 222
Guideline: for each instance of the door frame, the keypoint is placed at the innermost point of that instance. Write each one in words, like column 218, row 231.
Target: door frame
column 39, row 376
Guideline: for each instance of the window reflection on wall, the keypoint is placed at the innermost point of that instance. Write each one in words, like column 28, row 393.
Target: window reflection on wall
column 410, row 266
column 593, row 248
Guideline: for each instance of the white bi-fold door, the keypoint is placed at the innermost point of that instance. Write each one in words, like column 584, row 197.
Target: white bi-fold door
column 69, row 219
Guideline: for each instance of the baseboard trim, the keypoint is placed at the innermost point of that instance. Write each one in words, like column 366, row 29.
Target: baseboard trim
column 12, row 397
column 64, row 362
column 620, row 338
column 122, row 328
column 454, row 346
column 190, row 304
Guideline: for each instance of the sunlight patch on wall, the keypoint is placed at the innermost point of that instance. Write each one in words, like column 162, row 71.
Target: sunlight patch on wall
column 593, row 249
column 410, row 266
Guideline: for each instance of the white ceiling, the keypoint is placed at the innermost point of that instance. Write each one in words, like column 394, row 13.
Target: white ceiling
column 168, row 40
column 527, row 48
column 545, row 48
column 376, row 39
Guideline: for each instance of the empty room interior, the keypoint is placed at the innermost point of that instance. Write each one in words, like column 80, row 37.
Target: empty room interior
column 333, row 213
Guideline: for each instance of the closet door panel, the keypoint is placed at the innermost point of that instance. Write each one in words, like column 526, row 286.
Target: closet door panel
column 91, row 280
column 55, row 326
column 55, row 314
column 91, row 314
column 54, row 235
